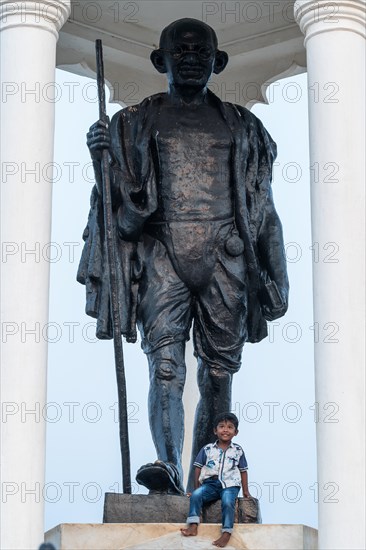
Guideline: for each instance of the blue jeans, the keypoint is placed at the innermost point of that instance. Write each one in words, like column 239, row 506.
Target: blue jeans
column 211, row 490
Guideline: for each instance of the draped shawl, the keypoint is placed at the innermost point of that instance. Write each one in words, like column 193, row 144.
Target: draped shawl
column 134, row 167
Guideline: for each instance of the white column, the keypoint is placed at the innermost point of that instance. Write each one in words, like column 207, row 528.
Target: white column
column 29, row 32
column 335, row 45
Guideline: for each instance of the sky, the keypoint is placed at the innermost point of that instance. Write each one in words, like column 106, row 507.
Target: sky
column 273, row 393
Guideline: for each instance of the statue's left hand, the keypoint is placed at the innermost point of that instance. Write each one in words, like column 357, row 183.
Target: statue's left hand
column 273, row 298
column 271, row 314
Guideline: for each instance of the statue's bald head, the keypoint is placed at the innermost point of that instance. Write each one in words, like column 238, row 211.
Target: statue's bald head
column 186, row 25
column 183, row 39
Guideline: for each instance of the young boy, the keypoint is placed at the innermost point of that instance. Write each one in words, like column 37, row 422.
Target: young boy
column 220, row 471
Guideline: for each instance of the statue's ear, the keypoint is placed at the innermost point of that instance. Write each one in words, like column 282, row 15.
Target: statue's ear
column 157, row 59
column 221, row 60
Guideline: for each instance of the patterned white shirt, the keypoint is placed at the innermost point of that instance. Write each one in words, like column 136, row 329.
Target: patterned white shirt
column 226, row 465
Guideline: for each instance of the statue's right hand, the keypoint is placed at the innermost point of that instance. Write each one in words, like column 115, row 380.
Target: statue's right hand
column 98, row 138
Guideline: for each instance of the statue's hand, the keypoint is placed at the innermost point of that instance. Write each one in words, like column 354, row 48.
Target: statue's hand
column 273, row 298
column 271, row 314
column 98, row 138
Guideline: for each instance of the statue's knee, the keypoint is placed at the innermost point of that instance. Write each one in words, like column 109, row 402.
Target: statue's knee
column 167, row 364
column 165, row 371
column 219, row 374
column 218, row 379
column 216, row 372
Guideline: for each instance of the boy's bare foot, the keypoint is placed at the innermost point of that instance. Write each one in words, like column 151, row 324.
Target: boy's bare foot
column 223, row 540
column 190, row 531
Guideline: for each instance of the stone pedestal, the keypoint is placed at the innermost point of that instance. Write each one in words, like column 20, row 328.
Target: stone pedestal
column 122, row 508
column 165, row 536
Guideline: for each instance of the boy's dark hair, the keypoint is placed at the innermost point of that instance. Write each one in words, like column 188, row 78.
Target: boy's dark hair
column 226, row 417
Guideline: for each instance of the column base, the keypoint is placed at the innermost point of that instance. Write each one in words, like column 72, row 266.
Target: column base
column 165, row 536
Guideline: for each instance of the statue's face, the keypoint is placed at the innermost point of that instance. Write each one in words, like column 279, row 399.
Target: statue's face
column 189, row 56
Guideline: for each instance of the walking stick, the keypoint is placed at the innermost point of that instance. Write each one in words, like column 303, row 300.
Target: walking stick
column 113, row 281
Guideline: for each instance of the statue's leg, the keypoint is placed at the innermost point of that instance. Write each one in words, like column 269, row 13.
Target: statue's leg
column 215, row 397
column 164, row 317
column 220, row 331
column 166, row 414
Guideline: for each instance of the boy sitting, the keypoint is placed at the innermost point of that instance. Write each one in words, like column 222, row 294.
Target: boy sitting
column 220, row 471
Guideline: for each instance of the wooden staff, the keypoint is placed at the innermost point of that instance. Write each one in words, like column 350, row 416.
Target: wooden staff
column 113, row 282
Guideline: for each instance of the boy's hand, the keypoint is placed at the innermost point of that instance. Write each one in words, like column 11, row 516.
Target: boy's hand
column 244, row 484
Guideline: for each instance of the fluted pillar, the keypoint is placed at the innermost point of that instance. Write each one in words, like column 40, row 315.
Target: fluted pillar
column 29, row 32
column 335, row 46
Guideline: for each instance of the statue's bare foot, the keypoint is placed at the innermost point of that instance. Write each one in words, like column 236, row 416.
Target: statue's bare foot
column 190, row 531
column 223, row 540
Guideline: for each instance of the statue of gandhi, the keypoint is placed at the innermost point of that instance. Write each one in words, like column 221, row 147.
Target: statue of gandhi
column 198, row 239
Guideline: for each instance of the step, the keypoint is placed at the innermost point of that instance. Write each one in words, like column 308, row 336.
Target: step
column 166, row 536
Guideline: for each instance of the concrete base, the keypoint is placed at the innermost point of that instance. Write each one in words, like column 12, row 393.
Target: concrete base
column 165, row 536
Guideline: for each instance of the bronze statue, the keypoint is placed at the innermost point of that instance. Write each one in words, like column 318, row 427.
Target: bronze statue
column 199, row 239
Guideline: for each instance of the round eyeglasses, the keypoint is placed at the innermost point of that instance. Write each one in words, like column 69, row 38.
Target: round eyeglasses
column 204, row 53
